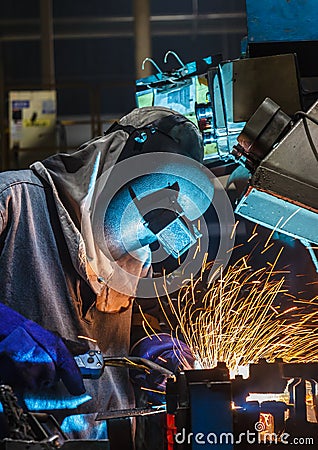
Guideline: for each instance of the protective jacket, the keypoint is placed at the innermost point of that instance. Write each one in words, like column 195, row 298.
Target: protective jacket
column 39, row 280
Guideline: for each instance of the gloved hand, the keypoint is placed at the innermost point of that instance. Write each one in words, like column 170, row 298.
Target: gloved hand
column 32, row 358
column 168, row 352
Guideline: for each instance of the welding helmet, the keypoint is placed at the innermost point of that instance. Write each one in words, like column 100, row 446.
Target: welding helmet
column 157, row 190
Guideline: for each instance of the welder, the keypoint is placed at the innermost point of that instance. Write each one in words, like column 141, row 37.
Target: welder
column 70, row 269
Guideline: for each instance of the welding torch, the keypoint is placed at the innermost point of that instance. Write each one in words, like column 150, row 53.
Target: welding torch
column 92, row 364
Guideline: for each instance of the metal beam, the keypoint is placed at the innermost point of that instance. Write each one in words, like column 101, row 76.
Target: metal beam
column 142, row 35
column 47, row 44
column 127, row 34
column 117, row 27
column 120, row 19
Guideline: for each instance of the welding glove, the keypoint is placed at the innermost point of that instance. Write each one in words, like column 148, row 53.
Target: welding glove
column 166, row 351
column 32, row 358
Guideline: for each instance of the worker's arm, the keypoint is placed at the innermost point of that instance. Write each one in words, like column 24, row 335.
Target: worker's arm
column 32, row 358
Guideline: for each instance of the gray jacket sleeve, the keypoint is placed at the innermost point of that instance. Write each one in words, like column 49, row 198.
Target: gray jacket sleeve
column 2, row 218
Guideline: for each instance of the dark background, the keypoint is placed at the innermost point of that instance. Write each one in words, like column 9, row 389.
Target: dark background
column 94, row 44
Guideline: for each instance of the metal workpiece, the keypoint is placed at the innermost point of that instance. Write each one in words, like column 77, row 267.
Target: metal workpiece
column 275, row 77
column 279, row 214
column 282, row 193
column 285, row 391
column 290, row 169
column 260, row 133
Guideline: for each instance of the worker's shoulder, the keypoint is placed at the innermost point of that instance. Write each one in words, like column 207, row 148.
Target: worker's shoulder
column 9, row 179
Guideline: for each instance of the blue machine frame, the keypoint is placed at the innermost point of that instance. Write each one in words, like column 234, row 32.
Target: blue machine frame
column 282, row 20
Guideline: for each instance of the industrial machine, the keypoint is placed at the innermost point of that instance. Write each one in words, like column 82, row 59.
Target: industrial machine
column 220, row 96
column 279, row 142
column 184, row 89
column 283, row 157
column 275, row 406
column 36, row 431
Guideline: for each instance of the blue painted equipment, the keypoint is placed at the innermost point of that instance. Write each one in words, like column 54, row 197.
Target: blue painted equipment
column 200, row 401
column 281, row 20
